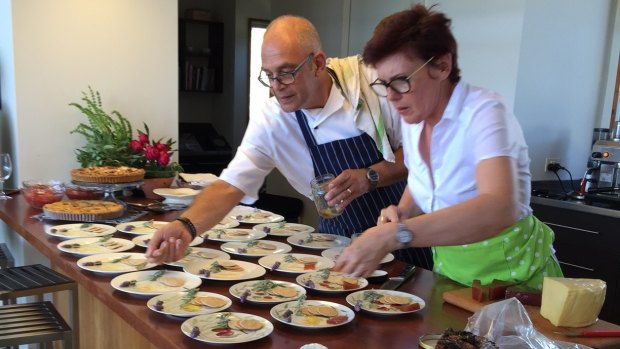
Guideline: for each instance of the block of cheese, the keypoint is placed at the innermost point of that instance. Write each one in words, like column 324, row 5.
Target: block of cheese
column 572, row 302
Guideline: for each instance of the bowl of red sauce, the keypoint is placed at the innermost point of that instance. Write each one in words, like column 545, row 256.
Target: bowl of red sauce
column 40, row 192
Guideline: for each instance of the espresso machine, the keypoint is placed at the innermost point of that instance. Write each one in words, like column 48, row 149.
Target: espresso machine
column 602, row 178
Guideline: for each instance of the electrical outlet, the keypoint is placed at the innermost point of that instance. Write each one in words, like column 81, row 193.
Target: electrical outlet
column 549, row 161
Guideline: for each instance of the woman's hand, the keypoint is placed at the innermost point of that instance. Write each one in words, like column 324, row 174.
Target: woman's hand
column 390, row 214
column 363, row 256
column 168, row 243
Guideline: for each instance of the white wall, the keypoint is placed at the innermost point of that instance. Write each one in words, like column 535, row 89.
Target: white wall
column 125, row 49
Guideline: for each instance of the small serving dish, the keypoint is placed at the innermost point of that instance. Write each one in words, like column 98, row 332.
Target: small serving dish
column 40, row 192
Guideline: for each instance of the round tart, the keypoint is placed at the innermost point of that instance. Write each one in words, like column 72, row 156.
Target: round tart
column 107, row 174
column 83, row 210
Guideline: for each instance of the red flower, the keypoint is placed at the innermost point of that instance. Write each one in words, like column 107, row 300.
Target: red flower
column 143, row 138
column 151, row 153
column 136, row 147
column 162, row 147
column 164, row 158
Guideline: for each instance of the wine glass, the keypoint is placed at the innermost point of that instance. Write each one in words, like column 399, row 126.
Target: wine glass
column 6, row 167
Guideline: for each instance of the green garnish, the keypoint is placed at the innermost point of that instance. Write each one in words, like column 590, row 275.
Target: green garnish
column 300, row 303
column 149, row 224
column 215, row 267
column 281, row 224
column 222, row 320
column 309, row 238
column 157, row 275
column 264, row 285
column 189, row 295
column 252, row 243
column 371, row 296
column 188, row 251
column 105, row 238
column 289, row 259
column 324, row 273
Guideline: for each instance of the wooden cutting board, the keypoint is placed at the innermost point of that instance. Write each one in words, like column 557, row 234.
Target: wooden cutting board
column 462, row 299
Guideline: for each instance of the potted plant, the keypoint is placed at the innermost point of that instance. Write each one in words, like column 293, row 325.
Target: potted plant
column 109, row 143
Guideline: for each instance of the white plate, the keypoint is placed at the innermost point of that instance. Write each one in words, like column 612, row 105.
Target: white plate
column 257, row 291
column 363, row 297
column 140, row 227
column 79, row 230
column 333, row 253
column 312, row 241
column 309, row 321
column 291, row 263
column 254, row 249
column 233, row 234
column 253, row 215
column 176, row 304
column 329, row 281
column 143, row 240
column 177, row 195
column 283, row 228
column 199, row 254
column 115, row 263
column 206, row 324
column 144, row 286
column 250, row 270
column 88, row 246
column 226, row 222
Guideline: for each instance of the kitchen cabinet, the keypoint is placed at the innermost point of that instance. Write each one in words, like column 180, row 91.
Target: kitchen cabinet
column 587, row 246
column 201, row 55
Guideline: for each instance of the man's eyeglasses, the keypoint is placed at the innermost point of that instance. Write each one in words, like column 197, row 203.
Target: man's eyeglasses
column 399, row 85
column 283, row 78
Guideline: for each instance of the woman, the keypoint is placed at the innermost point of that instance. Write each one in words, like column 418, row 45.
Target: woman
column 468, row 187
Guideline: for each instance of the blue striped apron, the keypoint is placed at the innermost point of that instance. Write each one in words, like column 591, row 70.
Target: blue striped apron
column 362, row 213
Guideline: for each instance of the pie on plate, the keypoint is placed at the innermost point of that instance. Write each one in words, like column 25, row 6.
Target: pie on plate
column 83, row 210
column 107, row 174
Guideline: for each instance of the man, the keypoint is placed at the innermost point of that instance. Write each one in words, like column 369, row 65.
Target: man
column 317, row 123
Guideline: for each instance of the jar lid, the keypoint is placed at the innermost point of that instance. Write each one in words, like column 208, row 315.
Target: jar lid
column 429, row 341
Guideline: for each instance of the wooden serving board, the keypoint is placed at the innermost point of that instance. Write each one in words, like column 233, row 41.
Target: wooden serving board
column 462, row 299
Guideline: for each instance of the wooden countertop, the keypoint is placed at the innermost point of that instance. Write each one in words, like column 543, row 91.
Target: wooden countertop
column 400, row 331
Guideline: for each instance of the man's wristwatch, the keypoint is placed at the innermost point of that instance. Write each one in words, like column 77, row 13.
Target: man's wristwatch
column 373, row 178
column 403, row 235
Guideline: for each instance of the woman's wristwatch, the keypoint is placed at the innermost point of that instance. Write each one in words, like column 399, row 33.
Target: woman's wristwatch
column 404, row 236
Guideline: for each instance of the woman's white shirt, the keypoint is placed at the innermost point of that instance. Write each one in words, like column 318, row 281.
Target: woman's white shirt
column 475, row 126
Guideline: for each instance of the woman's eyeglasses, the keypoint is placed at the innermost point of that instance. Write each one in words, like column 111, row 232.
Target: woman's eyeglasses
column 399, row 85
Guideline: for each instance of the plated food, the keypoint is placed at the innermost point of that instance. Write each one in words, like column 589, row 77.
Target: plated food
column 90, row 246
column 334, row 253
column 227, row 270
column 318, row 241
column 256, row 248
column 154, row 282
column 140, row 227
column 295, row 262
column 312, row 314
column 188, row 303
column 143, row 240
column 266, row 291
column 79, row 230
column 83, row 210
column 326, row 280
column 115, row 263
column 193, row 254
column 227, row 328
column 233, row 234
column 252, row 215
column 107, row 174
column 385, row 302
column 283, row 228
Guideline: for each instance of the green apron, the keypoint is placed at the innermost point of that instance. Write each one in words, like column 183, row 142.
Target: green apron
column 522, row 253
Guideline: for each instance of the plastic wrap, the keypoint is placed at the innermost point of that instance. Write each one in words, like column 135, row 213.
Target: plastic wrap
column 509, row 326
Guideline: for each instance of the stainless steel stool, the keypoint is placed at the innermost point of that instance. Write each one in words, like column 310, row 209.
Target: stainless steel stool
column 33, row 323
column 37, row 280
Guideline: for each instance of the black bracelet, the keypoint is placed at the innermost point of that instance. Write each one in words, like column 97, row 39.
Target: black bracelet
column 189, row 225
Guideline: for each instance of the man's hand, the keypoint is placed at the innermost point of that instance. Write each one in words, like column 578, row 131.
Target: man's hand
column 168, row 243
column 345, row 188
